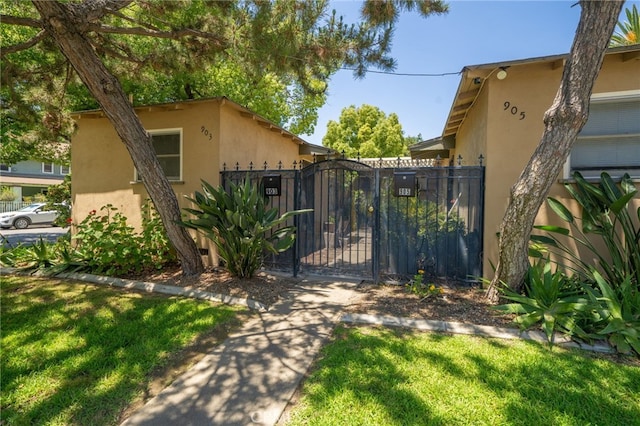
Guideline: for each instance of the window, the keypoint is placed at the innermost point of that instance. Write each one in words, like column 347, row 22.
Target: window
column 168, row 147
column 610, row 141
column 47, row 167
column 5, row 168
column 64, row 170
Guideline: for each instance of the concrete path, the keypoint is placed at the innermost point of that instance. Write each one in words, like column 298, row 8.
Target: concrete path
column 251, row 377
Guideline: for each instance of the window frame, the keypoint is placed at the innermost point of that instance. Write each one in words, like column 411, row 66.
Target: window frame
column 53, row 168
column 62, row 171
column 168, row 131
column 5, row 168
column 604, row 97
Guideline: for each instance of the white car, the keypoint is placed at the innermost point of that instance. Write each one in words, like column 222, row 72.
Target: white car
column 33, row 214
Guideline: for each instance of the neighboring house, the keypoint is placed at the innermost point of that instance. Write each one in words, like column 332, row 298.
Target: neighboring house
column 27, row 179
column 498, row 113
column 194, row 141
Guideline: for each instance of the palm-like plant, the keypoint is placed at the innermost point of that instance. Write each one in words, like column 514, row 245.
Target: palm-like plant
column 628, row 32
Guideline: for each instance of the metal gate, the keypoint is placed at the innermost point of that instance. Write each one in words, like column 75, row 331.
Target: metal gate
column 378, row 223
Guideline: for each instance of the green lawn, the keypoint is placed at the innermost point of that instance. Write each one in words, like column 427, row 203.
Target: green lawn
column 371, row 376
column 76, row 353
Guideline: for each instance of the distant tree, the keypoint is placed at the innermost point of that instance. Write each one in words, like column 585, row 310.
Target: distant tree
column 93, row 41
column 411, row 140
column 365, row 131
column 628, row 32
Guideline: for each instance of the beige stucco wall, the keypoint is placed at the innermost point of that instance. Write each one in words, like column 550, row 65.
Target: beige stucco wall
column 507, row 141
column 212, row 135
column 247, row 139
column 103, row 172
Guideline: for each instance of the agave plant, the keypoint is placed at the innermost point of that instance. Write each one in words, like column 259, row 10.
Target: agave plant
column 240, row 225
column 617, row 313
column 551, row 299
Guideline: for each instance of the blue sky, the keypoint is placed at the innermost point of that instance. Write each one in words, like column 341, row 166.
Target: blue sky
column 473, row 32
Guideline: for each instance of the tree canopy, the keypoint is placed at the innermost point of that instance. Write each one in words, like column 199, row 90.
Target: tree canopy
column 367, row 132
column 275, row 58
column 49, row 45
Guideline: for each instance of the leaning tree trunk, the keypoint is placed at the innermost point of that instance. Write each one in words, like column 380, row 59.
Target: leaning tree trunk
column 563, row 121
column 66, row 28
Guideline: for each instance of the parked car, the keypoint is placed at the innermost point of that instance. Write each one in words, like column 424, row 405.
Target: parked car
column 33, row 214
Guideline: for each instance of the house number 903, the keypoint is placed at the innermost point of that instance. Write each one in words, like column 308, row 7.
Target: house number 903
column 513, row 110
column 206, row 132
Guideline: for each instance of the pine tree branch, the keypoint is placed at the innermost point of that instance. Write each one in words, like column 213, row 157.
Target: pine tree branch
column 18, row 20
column 155, row 33
column 5, row 50
column 93, row 10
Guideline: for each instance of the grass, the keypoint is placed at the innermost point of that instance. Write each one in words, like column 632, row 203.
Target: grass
column 372, row 376
column 75, row 353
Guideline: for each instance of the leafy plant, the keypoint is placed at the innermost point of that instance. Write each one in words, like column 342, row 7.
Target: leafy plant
column 605, row 214
column 617, row 313
column 421, row 289
column 240, row 225
column 59, row 198
column 107, row 244
column 551, row 299
column 6, row 194
column 155, row 242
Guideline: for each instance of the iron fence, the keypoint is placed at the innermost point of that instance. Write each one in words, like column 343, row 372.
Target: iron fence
column 365, row 223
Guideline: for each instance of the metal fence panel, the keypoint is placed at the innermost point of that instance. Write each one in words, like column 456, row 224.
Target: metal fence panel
column 363, row 226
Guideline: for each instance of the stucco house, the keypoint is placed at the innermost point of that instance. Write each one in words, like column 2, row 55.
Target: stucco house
column 193, row 139
column 498, row 113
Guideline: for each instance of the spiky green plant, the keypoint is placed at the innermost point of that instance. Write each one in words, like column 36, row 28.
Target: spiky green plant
column 240, row 225
column 617, row 313
column 606, row 218
column 551, row 299
column 628, row 32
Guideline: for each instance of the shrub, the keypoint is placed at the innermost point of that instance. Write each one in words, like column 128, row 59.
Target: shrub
column 109, row 245
column 611, row 282
column 616, row 313
column 103, row 244
column 6, row 194
column 240, row 225
column 551, row 299
column 59, row 198
column 605, row 217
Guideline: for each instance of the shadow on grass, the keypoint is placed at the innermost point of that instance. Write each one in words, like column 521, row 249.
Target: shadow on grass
column 432, row 379
column 74, row 353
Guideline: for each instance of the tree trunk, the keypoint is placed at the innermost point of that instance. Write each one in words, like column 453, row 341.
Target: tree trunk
column 563, row 121
column 65, row 26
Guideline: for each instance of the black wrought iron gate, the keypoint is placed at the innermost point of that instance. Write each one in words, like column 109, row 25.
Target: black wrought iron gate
column 378, row 223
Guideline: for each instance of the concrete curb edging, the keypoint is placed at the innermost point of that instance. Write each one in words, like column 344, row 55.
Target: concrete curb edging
column 471, row 329
column 149, row 288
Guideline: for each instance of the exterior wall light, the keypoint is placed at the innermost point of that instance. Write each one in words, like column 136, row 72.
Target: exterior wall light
column 502, row 74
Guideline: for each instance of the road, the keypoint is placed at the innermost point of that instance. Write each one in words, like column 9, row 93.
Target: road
column 32, row 234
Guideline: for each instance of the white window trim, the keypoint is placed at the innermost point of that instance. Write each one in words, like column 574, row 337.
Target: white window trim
column 52, row 168
column 168, row 131
column 613, row 96
column 600, row 97
column 62, row 172
column 8, row 169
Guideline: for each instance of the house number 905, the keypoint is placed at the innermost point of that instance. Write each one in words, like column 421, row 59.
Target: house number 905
column 513, row 109
column 206, row 132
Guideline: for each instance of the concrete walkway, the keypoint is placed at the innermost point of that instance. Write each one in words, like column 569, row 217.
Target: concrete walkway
column 250, row 378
